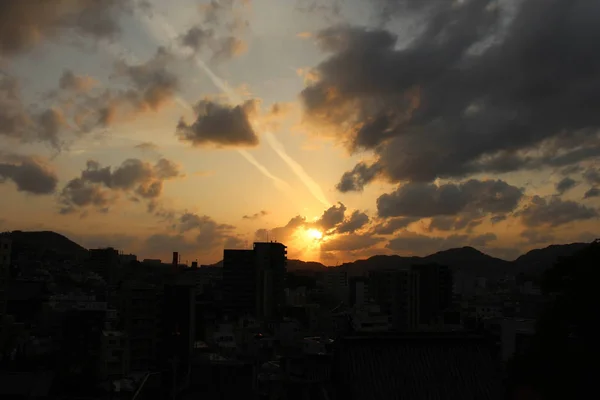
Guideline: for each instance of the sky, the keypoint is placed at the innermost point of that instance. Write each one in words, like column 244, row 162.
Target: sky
column 341, row 128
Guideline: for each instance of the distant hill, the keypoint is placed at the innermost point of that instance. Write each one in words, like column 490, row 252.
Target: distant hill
column 538, row 260
column 46, row 245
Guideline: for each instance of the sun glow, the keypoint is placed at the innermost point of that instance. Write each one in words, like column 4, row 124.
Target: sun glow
column 314, row 234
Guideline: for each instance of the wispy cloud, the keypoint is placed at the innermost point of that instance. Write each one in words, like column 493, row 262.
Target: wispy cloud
column 158, row 26
column 160, row 29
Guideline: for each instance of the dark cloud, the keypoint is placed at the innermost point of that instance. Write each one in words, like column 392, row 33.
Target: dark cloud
column 355, row 180
column 429, row 200
column 534, row 236
column 565, row 184
column 75, row 83
column 257, row 215
column 356, row 221
column 331, row 217
column 283, row 233
column 26, row 23
column 592, row 193
column 220, row 32
column 455, row 223
column 392, row 225
column 209, row 233
column 554, row 212
column 29, row 174
column 350, row 242
column 417, row 244
column 467, row 95
column 220, row 125
column 197, row 38
column 592, row 176
column 147, row 146
column 26, row 124
column 98, row 186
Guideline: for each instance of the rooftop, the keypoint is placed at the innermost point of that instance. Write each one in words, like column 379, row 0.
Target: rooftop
column 430, row 366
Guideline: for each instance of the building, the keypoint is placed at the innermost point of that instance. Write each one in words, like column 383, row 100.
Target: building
column 435, row 287
column 107, row 264
column 114, row 359
column 141, row 313
column 415, row 296
column 178, row 331
column 336, row 283
column 239, row 282
column 5, row 249
column 416, row 366
column 358, row 291
column 254, row 280
column 271, row 262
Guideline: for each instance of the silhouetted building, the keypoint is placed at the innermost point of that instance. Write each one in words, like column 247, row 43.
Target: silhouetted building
column 178, row 333
column 141, row 313
column 107, row 264
column 416, row 366
column 5, row 249
column 358, row 291
column 254, row 280
column 435, row 287
column 271, row 262
column 239, row 282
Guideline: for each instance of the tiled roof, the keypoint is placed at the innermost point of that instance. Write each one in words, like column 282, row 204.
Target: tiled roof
column 415, row 368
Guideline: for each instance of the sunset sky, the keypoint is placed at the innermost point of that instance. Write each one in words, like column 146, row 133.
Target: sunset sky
column 342, row 128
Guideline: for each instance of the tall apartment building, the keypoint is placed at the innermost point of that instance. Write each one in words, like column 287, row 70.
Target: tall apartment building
column 271, row 262
column 413, row 296
column 253, row 280
column 5, row 249
column 335, row 281
column 107, row 264
column 141, row 312
column 435, row 283
column 358, row 287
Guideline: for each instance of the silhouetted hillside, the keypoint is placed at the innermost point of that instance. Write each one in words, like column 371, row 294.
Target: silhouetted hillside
column 538, row 260
column 46, row 245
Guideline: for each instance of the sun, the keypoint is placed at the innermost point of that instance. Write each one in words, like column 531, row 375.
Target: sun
column 314, row 234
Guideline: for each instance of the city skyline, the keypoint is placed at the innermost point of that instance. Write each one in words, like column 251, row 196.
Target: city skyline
column 336, row 129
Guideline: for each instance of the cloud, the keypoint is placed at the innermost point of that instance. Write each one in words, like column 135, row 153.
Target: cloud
column 76, row 83
column 208, row 232
column 147, row 146
column 429, row 200
column 220, row 125
column 283, row 233
column 592, row 176
column 30, row 174
column 536, row 237
column 455, row 223
column 554, row 212
column 417, row 244
column 331, row 217
column 356, row 221
column 466, row 96
column 219, row 32
column 99, row 187
column 24, row 124
column 149, row 86
column 565, row 184
column 592, row 193
column 392, row 225
column 257, row 215
column 350, row 242
column 26, row 23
